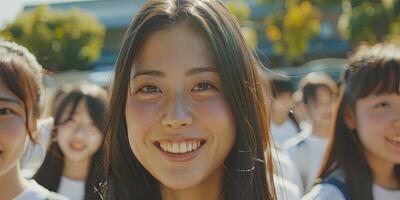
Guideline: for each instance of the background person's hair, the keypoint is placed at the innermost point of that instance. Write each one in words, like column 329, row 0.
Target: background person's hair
column 22, row 75
column 245, row 175
column 372, row 70
column 50, row 172
column 281, row 85
column 312, row 82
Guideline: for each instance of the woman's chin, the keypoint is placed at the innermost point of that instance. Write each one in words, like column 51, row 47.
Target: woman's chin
column 180, row 184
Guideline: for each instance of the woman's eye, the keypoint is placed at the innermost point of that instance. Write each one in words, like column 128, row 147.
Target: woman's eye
column 150, row 89
column 382, row 105
column 203, row 86
column 6, row 111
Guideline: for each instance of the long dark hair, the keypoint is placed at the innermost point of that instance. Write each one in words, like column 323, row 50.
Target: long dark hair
column 372, row 70
column 50, row 172
column 248, row 173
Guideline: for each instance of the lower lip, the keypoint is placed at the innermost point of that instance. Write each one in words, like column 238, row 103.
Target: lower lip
column 77, row 149
column 181, row 157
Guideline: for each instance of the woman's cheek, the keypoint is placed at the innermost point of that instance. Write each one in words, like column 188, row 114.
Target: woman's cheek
column 141, row 116
column 13, row 128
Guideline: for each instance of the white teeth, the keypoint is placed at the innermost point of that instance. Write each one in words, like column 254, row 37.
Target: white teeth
column 169, row 147
column 181, row 147
column 194, row 146
column 189, row 147
column 395, row 138
column 175, row 148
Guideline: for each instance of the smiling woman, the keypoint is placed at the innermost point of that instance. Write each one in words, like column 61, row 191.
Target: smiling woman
column 20, row 108
column 188, row 112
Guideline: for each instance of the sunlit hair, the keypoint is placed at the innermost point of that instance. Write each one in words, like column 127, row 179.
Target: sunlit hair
column 22, row 75
column 248, row 174
column 373, row 70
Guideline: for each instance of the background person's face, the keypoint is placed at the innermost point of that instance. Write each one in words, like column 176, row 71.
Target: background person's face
column 378, row 127
column 322, row 108
column 79, row 138
column 180, row 126
column 13, row 132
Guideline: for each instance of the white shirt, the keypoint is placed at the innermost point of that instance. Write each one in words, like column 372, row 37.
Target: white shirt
column 73, row 189
column 285, row 168
column 37, row 192
column 284, row 131
column 306, row 151
column 285, row 190
column 331, row 192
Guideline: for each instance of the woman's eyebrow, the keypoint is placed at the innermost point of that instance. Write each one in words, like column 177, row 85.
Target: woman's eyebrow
column 10, row 100
column 161, row 74
column 201, row 70
column 149, row 73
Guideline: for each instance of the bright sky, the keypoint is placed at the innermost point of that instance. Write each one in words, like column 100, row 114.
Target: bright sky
column 9, row 9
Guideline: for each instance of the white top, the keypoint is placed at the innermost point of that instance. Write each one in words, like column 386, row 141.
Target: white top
column 73, row 189
column 331, row 192
column 285, row 168
column 36, row 152
column 285, row 190
column 37, row 192
column 284, row 131
column 306, row 151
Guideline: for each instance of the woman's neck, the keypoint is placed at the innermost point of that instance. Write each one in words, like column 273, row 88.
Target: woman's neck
column 320, row 130
column 383, row 173
column 12, row 183
column 279, row 119
column 77, row 170
column 210, row 189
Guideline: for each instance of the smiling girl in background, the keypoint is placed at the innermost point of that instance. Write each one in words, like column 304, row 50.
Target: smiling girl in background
column 363, row 160
column 69, row 166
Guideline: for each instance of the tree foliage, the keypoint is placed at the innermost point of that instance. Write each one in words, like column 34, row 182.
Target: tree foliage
column 290, row 29
column 61, row 40
column 370, row 20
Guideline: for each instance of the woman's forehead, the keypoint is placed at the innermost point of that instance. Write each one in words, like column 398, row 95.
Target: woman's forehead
column 175, row 46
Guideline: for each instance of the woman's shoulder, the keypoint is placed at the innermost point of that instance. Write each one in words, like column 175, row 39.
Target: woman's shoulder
column 324, row 192
column 34, row 191
column 330, row 188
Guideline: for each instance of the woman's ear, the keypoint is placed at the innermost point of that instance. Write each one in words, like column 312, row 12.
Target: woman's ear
column 349, row 118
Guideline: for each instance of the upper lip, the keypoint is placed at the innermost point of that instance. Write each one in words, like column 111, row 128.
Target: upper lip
column 179, row 138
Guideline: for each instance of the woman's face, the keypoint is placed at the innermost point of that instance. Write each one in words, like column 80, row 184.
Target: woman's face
column 13, row 131
column 378, row 126
column 79, row 138
column 180, row 126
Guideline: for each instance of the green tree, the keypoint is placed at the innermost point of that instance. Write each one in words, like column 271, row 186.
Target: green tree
column 61, row 40
column 290, row 29
column 369, row 21
column 242, row 11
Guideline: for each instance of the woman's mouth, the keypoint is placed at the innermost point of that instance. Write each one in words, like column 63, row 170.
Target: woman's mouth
column 395, row 139
column 180, row 151
column 77, row 146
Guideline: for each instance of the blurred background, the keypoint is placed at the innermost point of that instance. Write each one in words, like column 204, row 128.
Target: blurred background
column 79, row 40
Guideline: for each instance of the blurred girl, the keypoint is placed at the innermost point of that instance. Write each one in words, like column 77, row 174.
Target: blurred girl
column 69, row 165
column 363, row 160
column 21, row 93
column 188, row 111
